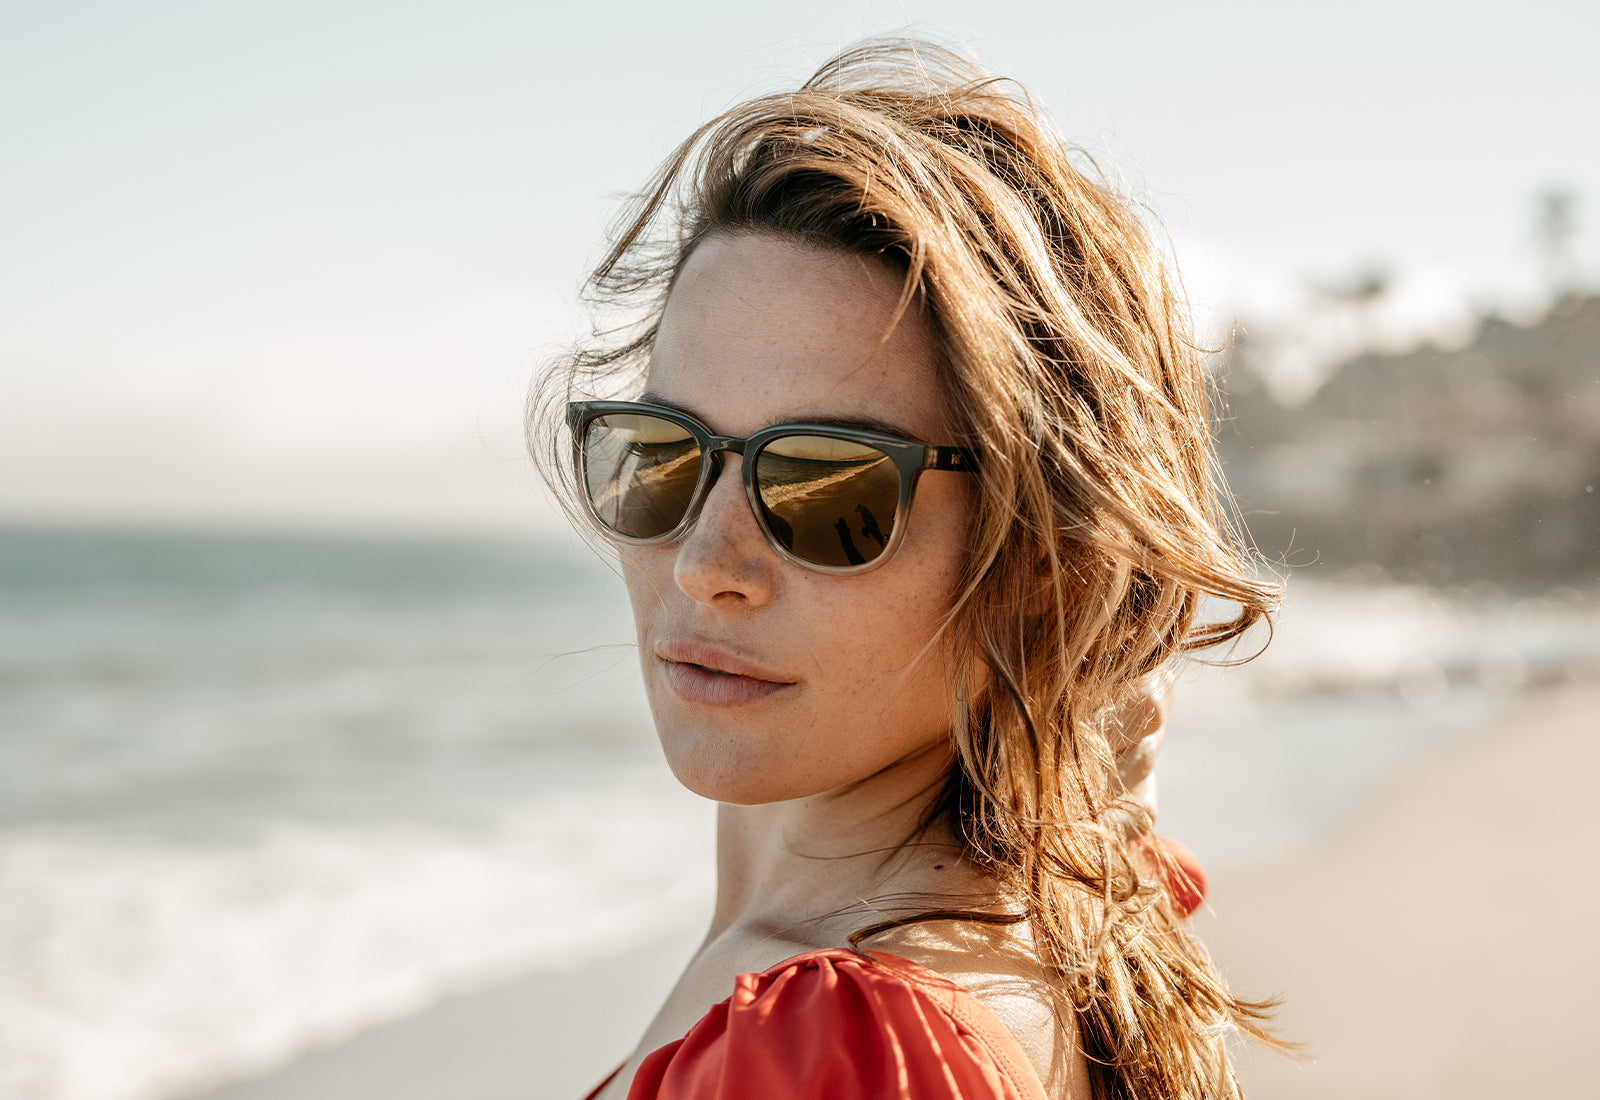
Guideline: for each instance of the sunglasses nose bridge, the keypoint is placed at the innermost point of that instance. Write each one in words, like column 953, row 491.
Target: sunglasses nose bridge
column 717, row 444
column 713, row 449
column 720, row 528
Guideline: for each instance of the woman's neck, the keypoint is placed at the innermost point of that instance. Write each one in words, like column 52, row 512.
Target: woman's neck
column 811, row 870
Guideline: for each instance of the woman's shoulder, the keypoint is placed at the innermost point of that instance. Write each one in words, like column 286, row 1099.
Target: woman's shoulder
column 840, row 1023
column 996, row 966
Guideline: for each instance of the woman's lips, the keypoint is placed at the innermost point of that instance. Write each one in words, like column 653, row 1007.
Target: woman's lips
column 703, row 672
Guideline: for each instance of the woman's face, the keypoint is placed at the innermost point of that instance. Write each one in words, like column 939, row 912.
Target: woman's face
column 768, row 681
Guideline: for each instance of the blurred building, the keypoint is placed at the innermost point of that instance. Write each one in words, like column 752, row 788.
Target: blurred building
column 1441, row 466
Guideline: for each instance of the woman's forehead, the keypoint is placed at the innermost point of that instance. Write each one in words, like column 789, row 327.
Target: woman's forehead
column 764, row 329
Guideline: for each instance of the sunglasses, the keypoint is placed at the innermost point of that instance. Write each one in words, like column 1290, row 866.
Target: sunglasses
column 832, row 499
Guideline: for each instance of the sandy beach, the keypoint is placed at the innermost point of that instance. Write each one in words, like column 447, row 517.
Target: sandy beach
column 1443, row 947
column 1447, row 946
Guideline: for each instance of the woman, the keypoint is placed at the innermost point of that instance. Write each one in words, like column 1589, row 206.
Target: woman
column 911, row 492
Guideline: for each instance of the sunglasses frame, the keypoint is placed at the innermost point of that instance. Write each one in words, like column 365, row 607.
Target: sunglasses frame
column 910, row 459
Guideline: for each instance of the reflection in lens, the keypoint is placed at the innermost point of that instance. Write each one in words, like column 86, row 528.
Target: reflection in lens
column 640, row 473
column 826, row 500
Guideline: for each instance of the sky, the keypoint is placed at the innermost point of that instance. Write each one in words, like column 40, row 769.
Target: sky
column 294, row 264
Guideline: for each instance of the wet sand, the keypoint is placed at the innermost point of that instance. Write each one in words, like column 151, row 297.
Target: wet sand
column 1443, row 947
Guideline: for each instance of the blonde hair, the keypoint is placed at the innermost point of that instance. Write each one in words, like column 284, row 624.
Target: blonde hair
column 1098, row 530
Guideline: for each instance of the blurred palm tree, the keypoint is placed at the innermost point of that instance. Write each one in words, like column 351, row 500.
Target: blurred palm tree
column 1358, row 297
column 1556, row 229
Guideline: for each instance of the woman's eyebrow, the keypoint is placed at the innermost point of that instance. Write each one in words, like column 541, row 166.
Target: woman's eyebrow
column 650, row 397
column 858, row 423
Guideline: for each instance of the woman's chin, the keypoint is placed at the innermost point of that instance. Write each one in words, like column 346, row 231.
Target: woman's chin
column 736, row 786
column 723, row 774
column 741, row 774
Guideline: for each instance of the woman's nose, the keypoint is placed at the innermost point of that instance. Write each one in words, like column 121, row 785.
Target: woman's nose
column 724, row 557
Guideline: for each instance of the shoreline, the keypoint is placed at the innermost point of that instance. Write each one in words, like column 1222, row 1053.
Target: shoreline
column 1411, row 959
column 532, row 1037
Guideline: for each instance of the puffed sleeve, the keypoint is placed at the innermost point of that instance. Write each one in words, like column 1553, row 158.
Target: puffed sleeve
column 834, row 1024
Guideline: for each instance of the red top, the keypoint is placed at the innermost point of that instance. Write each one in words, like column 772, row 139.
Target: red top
column 834, row 1024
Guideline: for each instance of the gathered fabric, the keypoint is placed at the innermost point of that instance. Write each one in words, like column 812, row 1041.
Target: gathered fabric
column 844, row 1026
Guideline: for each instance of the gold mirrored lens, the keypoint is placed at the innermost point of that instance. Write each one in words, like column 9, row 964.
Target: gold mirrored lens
column 826, row 500
column 640, row 473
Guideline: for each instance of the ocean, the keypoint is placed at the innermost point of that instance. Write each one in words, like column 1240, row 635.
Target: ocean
column 259, row 792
